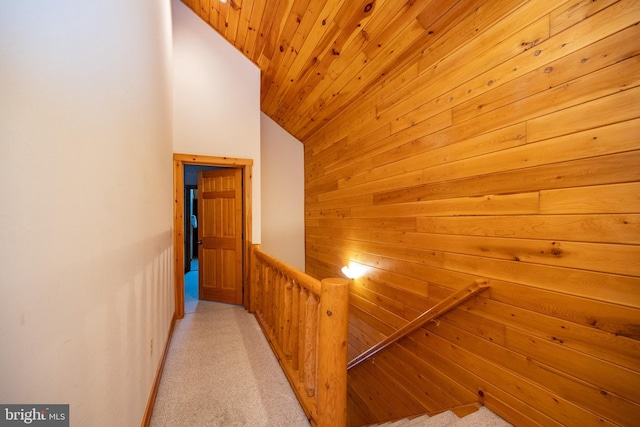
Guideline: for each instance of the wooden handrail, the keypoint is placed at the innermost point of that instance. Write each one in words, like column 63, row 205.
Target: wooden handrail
column 439, row 309
column 303, row 279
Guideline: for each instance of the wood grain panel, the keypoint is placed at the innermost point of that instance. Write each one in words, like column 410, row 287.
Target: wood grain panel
column 397, row 368
column 375, row 406
column 564, row 17
column 604, row 53
column 615, row 108
column 445, row 393
column 482, row 389
column 533, row 34
column 418, row 153
column 452, row 140
column 511, row 204
column 607, row 140
column 616, row 349
column 610, row 258
column 243, row 25
column 472, row 21
column 612, row 169
column 518, row 386
column 607, row 376
column 612, row 228
column 615, row 407
column 362, row 335
column 613, row 318
column 601, row 286
column 542, row 157
column 622, row 198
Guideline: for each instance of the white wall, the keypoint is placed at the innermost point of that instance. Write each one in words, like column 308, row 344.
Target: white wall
column 282, row 194
column 216, row 98
column 86, row 282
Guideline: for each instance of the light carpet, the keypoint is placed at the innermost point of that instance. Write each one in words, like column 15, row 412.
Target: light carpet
column 483, row 417
column 220, row 371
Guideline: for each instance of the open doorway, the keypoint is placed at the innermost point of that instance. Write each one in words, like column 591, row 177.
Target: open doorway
column 191, row 270
column 191, row 223
column 182, row 221
column 190, row 242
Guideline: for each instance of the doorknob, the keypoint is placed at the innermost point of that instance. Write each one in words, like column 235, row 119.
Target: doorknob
column 199, row 242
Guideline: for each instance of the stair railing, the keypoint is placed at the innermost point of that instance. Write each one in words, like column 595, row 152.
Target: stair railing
column 438, row 310
column 306, row 323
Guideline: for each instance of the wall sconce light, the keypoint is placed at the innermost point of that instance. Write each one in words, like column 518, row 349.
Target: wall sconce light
column 223, row 1
column 353, row 270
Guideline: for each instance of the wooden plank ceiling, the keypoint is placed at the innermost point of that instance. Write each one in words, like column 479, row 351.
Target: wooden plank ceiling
column 319, row 56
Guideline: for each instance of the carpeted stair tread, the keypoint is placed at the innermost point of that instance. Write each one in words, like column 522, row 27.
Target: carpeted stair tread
column 483, row 417
column 418, row 421
column 440, row 420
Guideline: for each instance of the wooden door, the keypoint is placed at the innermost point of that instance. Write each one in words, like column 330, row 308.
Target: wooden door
column 220, row 231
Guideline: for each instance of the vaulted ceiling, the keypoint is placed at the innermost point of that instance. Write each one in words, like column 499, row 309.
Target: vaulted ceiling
column 318, row 56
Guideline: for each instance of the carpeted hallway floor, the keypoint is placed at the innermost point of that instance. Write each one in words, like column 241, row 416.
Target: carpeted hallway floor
column 220, row 371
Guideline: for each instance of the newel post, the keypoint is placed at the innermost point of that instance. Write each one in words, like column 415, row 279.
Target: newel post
column 332, row 353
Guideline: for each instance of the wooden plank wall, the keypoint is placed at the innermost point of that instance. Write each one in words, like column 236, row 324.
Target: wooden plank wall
column 510, row 151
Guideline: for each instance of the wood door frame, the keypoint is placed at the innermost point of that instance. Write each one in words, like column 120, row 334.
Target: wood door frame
column 179, row 161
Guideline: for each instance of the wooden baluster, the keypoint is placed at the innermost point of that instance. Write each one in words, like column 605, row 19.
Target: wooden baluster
column 284, row 308
column 302, row 327
column 275, row 274
column 273, row 305
column 265, row 287
column 277, row 308
column 310, row 344
column 260, row 295
column 331, row 400
column 263, row 293
column 268, row 295
column 286, row 317
column 274, row 302
column 249, row 283
column 253, row 281
column 295, row 323
column 260, row 286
